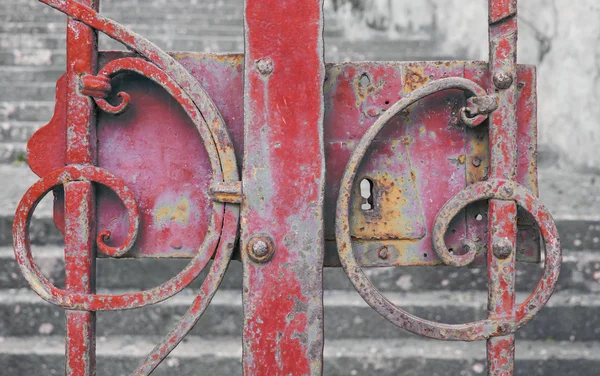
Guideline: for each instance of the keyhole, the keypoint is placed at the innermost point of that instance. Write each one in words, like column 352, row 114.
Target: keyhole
column 366, row 192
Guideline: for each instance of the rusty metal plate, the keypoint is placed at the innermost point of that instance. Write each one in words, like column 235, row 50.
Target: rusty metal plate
column 418, row 162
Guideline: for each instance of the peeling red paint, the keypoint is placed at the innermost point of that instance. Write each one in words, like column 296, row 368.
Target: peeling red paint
column 283, row 187
column 295, row 122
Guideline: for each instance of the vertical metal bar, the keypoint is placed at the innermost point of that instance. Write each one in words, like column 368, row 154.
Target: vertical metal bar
column 79, row 276
column 503, row 157
column 82, row 54
column 284, row 172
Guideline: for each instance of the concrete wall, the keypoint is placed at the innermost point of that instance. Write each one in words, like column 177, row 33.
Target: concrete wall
column 561, row 37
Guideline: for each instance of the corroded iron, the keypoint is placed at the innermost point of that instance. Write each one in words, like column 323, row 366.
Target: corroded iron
column 342, row 165
column 498, row 186
column 284, row 182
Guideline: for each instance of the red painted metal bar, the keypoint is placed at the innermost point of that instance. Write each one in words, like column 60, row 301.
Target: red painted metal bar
column 82, row 53
column 502, row 214
column 283, row 184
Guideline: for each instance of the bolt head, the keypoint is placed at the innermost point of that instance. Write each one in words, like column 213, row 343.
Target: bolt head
column 260, row 248
column 476, row 162
column 508, row 191
column 384, row 253
column 502, row 248
column 503, row 80
column 264, row 66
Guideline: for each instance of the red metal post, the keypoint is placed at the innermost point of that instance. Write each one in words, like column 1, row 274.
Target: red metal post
column 503, row 156
column 82, row 52
column 283, row 185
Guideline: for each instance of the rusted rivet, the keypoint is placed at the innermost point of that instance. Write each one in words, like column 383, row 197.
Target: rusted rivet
column 503, row 80
column 264, row 66
column 504, row 328
column 260, row 248
column 469, row 246
column 502, row 248
column 384, row 253
column 508, row 191
column 476, row 161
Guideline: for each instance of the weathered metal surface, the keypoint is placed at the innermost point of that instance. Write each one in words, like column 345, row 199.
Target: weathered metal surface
column 283, row 184
column 377, row 139
column 419, row 150
column 499, row 187
column 406, row 164
column 502, row 223
column 78, row 126
column 80, row 272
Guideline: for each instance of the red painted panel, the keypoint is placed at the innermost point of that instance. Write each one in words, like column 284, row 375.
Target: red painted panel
column 417, row 152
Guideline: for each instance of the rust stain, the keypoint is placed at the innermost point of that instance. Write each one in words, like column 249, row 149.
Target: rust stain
column 414, row 77
column 180, row 212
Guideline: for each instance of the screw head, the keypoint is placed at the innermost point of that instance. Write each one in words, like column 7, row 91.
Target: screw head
column 384, row 253
column 260, row 248
column 503, row 80
column 502, row 248
column 476, row 161
column 508, row 191
column 264, row 66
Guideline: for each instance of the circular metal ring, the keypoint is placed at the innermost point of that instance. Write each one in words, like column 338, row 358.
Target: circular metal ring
column 96, row 302
column 224, row 218
column 466, row 332
column 506, row 190
column 202, row 111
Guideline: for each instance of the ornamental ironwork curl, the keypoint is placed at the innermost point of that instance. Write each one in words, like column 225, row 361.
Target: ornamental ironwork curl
column 160, row 67
column 495, row 188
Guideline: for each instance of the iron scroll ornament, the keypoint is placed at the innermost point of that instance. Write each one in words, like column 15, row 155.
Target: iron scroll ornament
column 157, row 65
column 496, row 188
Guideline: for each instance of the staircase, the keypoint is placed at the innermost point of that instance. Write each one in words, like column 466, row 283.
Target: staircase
column 563, row 340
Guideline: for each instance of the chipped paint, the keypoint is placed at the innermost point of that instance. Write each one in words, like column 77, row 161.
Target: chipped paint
column 287, row 205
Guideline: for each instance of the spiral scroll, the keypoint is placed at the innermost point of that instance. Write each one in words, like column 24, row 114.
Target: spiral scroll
column 219, row 241
column 493, row 189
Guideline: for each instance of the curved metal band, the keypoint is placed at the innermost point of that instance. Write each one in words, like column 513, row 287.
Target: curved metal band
column 465, row 332
column 215, row 126
column 200, row 107
column 506, row 190
column 178, row 82
column 202, row 300
column 95, row 302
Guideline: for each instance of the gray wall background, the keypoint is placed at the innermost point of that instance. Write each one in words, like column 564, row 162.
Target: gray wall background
column 561, row 37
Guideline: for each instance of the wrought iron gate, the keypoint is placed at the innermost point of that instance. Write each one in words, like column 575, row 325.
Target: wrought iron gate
column 144, row 151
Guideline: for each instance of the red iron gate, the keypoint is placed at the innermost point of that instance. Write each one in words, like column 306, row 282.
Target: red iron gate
column 143, row 156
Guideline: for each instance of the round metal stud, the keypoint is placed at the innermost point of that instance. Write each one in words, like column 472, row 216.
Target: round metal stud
column 503, row 80
column 260, row 248
column 502, row 248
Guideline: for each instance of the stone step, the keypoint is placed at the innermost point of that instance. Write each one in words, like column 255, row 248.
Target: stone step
column 170, row 24
column 27, row 57
column 202, row 24
column 129, row 8
column 212, row 41
column 120, row 355
column 12, row 152
column 18, row 132
column 23, row 74
column 576, row 214
column 336, row 50
column 26, row 111
column 35, row 91
column 569, row 316
column 49, row 49
column 580, row 272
